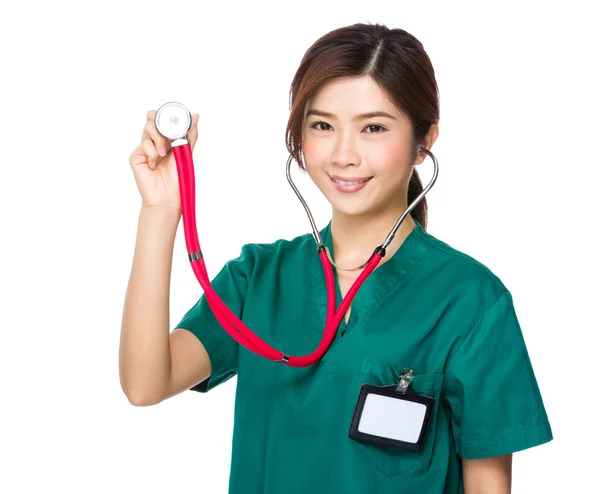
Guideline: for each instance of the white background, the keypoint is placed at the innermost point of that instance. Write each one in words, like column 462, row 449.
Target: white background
column 517, row 190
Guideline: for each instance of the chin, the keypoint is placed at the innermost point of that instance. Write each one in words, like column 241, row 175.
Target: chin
column 352, row 209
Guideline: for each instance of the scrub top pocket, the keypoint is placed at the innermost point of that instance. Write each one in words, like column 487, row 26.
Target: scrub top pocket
column 389, row 460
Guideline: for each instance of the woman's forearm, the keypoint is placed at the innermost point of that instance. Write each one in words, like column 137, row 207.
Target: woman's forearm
column 144, row 353
column 488, row 475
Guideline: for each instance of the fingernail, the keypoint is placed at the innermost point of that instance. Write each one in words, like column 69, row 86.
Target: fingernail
column 163, row 151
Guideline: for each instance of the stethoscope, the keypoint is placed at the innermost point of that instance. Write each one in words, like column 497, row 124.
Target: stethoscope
column 173, row 121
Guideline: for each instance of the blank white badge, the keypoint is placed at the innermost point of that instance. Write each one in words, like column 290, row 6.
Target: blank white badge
column 389, row 417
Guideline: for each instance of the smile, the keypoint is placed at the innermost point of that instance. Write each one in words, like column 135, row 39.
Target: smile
column 350, row 185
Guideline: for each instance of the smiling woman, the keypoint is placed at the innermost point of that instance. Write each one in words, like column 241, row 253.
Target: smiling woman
column 374, row 79
column 347, row 184
column 362, row 102
column 372, row 151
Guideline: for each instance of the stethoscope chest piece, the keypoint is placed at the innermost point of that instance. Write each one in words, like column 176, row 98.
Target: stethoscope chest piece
column 173, row 120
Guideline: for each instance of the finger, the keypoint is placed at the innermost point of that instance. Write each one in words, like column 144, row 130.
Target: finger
column 138, row 156
column 149, row 116
column 193, row 133
column 150, row 151
column 161, row 143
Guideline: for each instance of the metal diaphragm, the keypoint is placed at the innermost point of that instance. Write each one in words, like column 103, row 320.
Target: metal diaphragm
column 173, row 120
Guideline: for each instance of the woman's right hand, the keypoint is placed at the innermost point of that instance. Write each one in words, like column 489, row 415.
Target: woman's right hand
column 154, row 167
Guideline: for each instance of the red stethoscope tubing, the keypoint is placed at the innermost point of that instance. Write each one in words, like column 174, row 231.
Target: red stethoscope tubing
column 228, row 320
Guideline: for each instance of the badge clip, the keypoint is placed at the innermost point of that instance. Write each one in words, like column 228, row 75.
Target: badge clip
column 405, row 380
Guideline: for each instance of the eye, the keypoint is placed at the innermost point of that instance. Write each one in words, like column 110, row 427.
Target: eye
column 314, row 126
column 319, row 123
column 374, row 125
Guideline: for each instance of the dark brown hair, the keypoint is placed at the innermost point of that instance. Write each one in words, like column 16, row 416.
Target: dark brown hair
column 394, row 59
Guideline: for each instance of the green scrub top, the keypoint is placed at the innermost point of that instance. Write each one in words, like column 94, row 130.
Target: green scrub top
column 430, row 308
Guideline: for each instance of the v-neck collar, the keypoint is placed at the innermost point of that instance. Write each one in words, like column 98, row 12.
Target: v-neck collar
column 379, row 283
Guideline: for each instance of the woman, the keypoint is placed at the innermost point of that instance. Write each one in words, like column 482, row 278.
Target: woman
column 363, row 99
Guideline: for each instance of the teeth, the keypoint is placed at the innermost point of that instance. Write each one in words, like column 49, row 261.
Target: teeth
column 349, row 183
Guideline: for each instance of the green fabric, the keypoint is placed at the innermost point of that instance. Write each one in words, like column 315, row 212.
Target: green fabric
column 430, row 308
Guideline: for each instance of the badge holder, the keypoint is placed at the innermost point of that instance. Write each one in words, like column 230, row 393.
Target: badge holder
column 392, row 415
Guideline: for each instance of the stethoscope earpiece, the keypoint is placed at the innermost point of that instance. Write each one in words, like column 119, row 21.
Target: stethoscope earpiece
column 173, row 120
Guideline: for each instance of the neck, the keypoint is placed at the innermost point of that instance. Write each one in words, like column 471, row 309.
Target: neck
column 354, row 238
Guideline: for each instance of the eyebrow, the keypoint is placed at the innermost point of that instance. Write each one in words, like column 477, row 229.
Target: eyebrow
column 360, row 116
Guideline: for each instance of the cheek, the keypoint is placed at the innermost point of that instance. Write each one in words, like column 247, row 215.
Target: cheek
column 389, row 157
column 313, row 157
column 309, row 149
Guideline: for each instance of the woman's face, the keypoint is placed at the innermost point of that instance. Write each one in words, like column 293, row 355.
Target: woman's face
column 341, row 148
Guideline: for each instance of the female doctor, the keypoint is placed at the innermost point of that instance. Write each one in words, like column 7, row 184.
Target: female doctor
column 363, row 99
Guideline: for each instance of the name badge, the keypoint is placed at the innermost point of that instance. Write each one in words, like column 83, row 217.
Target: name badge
column 392, row 415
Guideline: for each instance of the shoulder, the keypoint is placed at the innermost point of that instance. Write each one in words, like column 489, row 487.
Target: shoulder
column 276, row 252
column 300, row 244
column 460, row 270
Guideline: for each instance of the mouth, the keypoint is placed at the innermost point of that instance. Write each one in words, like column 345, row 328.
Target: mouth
column 349, row 184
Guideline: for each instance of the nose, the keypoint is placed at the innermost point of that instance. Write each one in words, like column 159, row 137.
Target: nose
column 345, row 152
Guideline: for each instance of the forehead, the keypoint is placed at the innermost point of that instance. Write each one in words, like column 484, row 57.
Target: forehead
column 349, row 96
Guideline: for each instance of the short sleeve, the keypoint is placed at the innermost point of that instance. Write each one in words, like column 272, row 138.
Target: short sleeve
column 231, row 284
column 491, row 389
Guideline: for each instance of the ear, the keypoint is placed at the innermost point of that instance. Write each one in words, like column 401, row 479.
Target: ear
column 428, row 142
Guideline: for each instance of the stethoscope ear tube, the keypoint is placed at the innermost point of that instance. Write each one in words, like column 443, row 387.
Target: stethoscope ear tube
column 389, row 238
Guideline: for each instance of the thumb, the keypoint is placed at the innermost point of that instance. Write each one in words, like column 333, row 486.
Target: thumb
column 193, row 133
